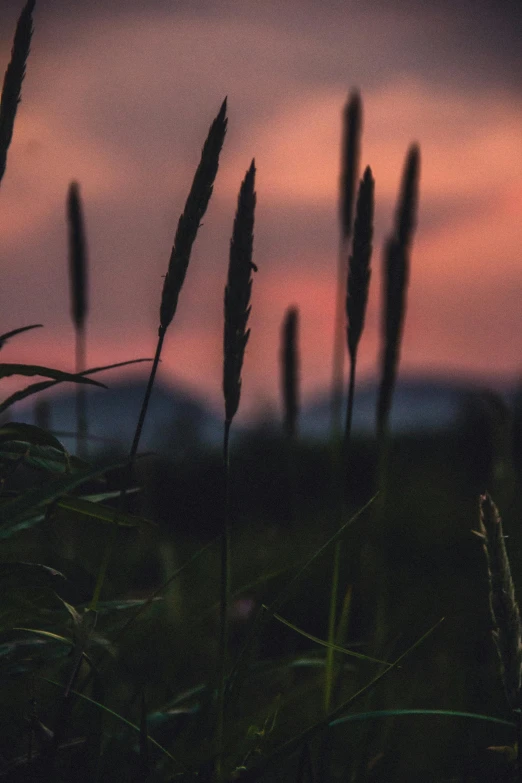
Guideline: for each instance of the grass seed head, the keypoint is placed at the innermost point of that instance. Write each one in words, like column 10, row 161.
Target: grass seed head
column 190, row 220
column 408, row 202
column 14, row 76
column 507, row 629
column 359, row 263
column 237, row 293
column 77, row 256
column 396, row 276
column 351, row 149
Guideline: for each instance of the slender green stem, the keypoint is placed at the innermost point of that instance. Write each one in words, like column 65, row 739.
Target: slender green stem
column 224, row 602
column 81, row 407
column 339, row 341
column 132, row 457
column 145, row 404
column 341, row 473
column 518, row 720
column 349, row 404
column 332, row 621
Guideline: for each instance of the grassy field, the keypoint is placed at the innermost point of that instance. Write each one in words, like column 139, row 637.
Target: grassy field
column 275, row 611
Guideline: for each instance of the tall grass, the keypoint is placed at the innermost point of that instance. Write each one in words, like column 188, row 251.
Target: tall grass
column 79, row 302
column 357, row 287
column 188, row 225
column 396, row 276
column 351, row 151
column 237, row 310
column 505, row 614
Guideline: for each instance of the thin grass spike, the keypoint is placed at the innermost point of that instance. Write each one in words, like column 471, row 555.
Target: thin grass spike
column 396, row 275
column 78, row 282
column 359, row 263
column 77, row 257
column 358, row 285
column 237, row 294
column 190, row 220
column 507, row 628
column 351, row 145
column 14, row 76
column 350, row 160
column 235, row 338
column 188, row 225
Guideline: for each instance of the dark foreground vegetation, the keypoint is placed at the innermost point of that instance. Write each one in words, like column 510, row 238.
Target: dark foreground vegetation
column 277, row 611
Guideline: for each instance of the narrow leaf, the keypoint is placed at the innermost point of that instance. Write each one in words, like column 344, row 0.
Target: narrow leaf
column 78, row 509
column 24, row 506
column 324, row 643
column 7, row 370
column 5, row 337
column 37, row 387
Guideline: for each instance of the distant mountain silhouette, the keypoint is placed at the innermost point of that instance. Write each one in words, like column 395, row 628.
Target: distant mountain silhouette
column 175, row 419
column 179, row 422
column 419, row 404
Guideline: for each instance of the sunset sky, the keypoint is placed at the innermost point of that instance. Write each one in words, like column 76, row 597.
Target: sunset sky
column 120, row 95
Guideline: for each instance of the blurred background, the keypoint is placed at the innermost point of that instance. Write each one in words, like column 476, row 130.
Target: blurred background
column 120, row 98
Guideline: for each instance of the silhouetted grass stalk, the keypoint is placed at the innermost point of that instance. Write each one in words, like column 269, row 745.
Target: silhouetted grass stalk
column 188, row 225
column 395, row 283
column 351, row 144
column 396, row 277
column 14, row 76
column 356, row 301
column 505, row 614
column 79, row 295
column 235, row 337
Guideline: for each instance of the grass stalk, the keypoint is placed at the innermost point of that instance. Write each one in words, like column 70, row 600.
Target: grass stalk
column 79, row 299
column 504, row 611
column 350, row 154
column 188, row 225
column 356, row 301
column 235, row 338
column 396, row 278
column 351, row 144
column 14, row 76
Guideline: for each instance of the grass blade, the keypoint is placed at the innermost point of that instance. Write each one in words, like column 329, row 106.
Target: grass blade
column 5, row 337
column 324, row 643
column 291, row 746
column 37, row 387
